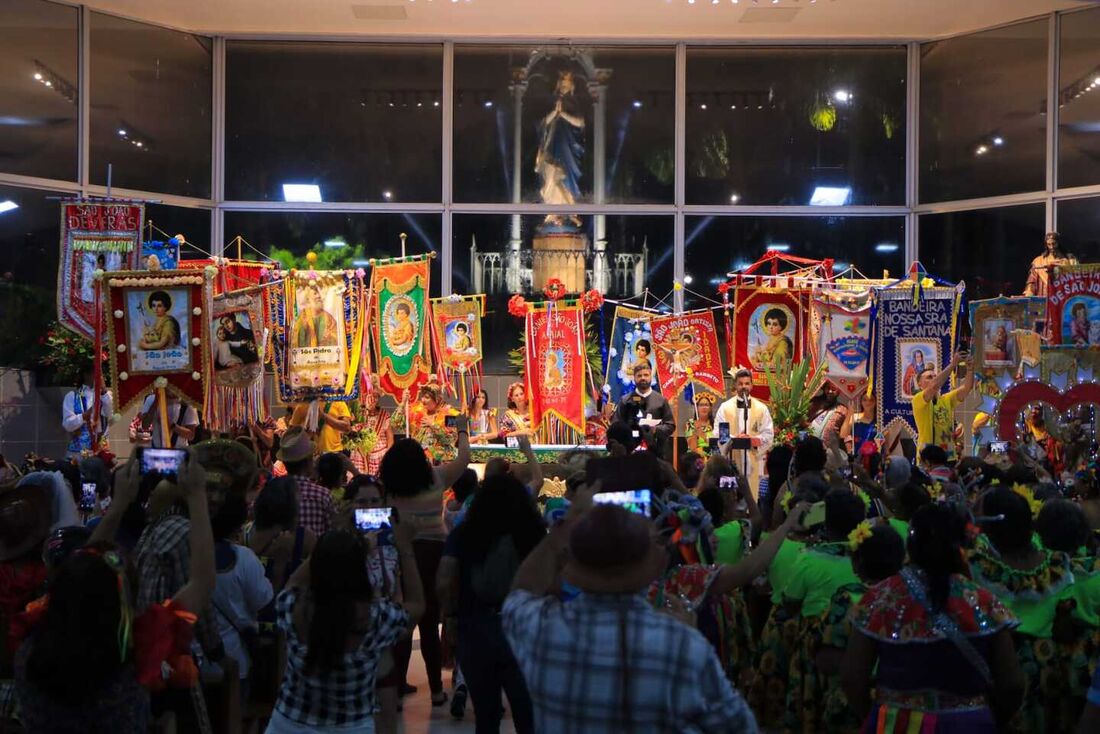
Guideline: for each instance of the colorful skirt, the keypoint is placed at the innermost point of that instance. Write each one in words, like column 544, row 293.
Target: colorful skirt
column 928, row 712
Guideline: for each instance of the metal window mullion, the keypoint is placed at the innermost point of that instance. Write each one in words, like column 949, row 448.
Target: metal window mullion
column 84, row 121
column 912, row 152
column 1052, row 119
column 680, row 154
column 217, row 155
column 446, row 244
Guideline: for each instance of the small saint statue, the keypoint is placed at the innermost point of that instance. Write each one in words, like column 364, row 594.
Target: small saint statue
column 1038, row 278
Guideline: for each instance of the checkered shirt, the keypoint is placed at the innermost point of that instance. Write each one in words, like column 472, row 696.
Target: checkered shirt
column 343, row 696
column 571, row 655
column 315, row 506
column 163, row 557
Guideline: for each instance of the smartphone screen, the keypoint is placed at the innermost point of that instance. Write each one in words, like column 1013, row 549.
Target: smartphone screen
column 450, row 421
column 634, row 500
column 998, row 447
column 728, row 481
column 87, row 496
column 723, row 432
column 511, row 442
column 369, row 519
column 162, row 462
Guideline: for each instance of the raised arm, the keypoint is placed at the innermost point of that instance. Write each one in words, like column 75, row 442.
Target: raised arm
column 200, row 580
column 940, row 379
column 448, row 473
column 968, row 383
column 536, row 479
column 127, row 480
column 743, row 572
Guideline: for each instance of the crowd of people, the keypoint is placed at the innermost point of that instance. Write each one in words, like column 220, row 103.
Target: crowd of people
column 280, row 576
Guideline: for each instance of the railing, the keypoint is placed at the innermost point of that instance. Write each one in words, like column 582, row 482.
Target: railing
column 618, row 275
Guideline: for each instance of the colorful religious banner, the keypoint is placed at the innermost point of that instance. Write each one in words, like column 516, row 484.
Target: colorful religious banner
column 166, row 252
column 318, row 333
column 554, row 364
column 909, row 333
column 236, row 394
column 841, row 338
column 456, row 322
column 399, row 321
column 631, row 343
column 1073, row 305
column 95, row 236
column 1000, row 329
column 767, row 330
column 686, row 346
column 158, row 331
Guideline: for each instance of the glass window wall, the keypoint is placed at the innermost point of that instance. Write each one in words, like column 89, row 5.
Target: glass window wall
column 1079, row 99
column 1079, row 227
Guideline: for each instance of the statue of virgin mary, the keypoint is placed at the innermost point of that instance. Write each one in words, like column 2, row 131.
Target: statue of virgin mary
column 561, row 151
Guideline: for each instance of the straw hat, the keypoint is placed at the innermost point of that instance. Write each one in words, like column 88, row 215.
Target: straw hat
column 229, row 465
column 26, row 514
column 612, row 552
column 296, row 445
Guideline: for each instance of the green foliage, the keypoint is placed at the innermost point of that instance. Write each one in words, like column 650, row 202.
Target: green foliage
column 68, row 353
column 822, row 115
column 328, row 258
column 791, row 396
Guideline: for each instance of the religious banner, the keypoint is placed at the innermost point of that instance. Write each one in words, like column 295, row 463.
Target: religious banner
column 1073, row 305
column 236, row 395
column 399, row 321
column 909, row 333
column 554, row 364
column 767, row 330
column 318, row 333
column 631, row 342
column 456, row 322
column 687, row 352
column 841, row 337
column 165, row 252
column 1000, row 327
column 95, row 236
column 158, row 332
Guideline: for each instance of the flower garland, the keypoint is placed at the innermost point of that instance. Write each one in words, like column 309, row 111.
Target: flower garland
column 554, row 289
column 517, row 306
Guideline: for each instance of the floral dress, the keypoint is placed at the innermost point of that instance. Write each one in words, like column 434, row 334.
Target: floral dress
column 723, row 620
column 836, row 714
column 1055, row 641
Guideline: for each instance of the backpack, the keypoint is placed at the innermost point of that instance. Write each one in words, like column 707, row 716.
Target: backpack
column 491, row 578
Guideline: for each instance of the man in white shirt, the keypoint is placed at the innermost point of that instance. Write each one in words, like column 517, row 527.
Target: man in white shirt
column 77, row 416
column 182, row 422
column 747, row 418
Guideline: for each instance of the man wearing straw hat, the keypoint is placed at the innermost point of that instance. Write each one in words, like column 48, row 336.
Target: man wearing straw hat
column 315, row 506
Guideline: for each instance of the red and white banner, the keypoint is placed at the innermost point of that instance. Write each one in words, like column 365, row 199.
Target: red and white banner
column 687, row 351
column 768, row 328
column 555, row 364
column 1073, row 306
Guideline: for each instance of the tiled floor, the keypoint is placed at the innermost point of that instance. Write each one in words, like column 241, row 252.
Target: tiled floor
column 419, row 716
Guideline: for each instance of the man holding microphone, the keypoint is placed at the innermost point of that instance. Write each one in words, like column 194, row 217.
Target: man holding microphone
column 745, row 418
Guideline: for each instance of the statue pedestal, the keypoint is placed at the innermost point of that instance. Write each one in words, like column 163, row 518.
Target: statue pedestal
column 561, row 256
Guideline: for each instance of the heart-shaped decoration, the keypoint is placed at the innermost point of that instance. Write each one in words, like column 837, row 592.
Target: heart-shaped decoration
column 1023, row 393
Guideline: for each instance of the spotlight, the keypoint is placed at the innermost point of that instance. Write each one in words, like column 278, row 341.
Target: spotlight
column 637, row 104
column 387, row 195
column 998, row 140
column 734, row 198
column 488, row 103
column 37, row 76
column 982, row 150
column 842, row 95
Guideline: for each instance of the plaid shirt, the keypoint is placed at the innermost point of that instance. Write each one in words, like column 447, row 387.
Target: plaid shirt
column 572, row 658
column 163, row 555
column 315, row 506
column 345, row 695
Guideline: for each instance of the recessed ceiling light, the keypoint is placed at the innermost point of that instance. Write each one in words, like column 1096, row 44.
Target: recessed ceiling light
column 336, row 243
column 831, row 196
column 702, row 106
column 998, row 140
column 37, row 76
column 7, row 206
column 734, row 198
column 637, row 104
column 842, row 95
column 387, row 195
column 688, row 280
column 301, row 192
column 488, row 103
column 982, row 150
column 886, row 247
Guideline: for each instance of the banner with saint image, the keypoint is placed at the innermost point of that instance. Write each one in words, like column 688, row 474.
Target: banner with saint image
column 236, row 395
column 686, row 346
column 841, row 338
column 95, row 237
column 318, row 335
column 768, row 331
column 555, row 363
column 399, row 322
column 631, row 343
column 456, row 323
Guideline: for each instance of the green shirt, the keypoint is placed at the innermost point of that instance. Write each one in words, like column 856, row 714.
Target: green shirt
column 779, row 572
column 815, row 578
column 731, row 542
column 902, row 526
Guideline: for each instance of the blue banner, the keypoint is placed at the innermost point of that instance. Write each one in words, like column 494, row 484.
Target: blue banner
column 631, row 341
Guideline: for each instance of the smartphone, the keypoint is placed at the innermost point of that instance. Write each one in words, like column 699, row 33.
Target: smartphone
column 998, row 447
column 634, row 500
column 723, row 432
column 450, row 421
column 161, row 462
column 712, row 444
column 728, row 481
column 371, row 519
column 802, row 435
column 617, row 474
column 87, row 496
column 814, row 516
column 511, row 442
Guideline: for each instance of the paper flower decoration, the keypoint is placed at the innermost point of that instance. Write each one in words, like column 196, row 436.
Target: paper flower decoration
column 160, row 383
column 517, row 306
column 592, row 300
column 723, row 288
column 118, row 313
column 554, row 289
column 121, row 348
column 196, row 376
column 1026, row 492
column 862, row 532
column 196, row 341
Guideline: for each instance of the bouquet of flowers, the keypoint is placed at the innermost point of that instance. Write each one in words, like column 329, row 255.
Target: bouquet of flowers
column 792, row 387
column 68, row 353
column 361, row 438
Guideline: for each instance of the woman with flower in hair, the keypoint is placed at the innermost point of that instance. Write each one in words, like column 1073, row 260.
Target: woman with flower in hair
column 428, row 423
column 1054, row 641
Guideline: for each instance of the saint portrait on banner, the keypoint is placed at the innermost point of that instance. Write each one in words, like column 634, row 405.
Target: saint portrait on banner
column 399, row 322
column 157, row 329
column 318, row 353
column 314, row 326
column 770, row 336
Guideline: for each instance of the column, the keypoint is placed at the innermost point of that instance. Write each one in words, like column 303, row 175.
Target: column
column 515, row 241
column 597, row 89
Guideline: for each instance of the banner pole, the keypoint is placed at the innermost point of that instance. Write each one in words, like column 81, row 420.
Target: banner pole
column 162, row 405
column 675, row 442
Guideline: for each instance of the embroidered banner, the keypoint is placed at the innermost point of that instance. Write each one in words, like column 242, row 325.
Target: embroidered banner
column 767, row 329
column 318, row 334
column 399, row 320
column 554, row 364
column 907, row 336
column 996, row 326
column 158, row 328
column 236, row 396
column 94, row 236
column 167, row 253
column 631, row 342
column 1073, row 305
column 840, row 326
column 456, row 321
column 686, row 346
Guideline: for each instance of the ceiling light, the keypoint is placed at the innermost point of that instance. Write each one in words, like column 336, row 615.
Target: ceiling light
column 687, row 278
column 488, row 103
column 831, row 196
column 1096, row 81
column 982, row 150
column 138, row 143
column 48, row 83
column 637, row 104
column 37, row 76
column 712, row 2
column 336, row 242
column 122, row 131
column 387, row 195
column 7, row 206
column 301, row 192
column 780, row 247
column 842, row 95
column 734, row 198
column 998, row 140
column 886, row 247
column 702, row 106
column 733, row 106
column 436, row 103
